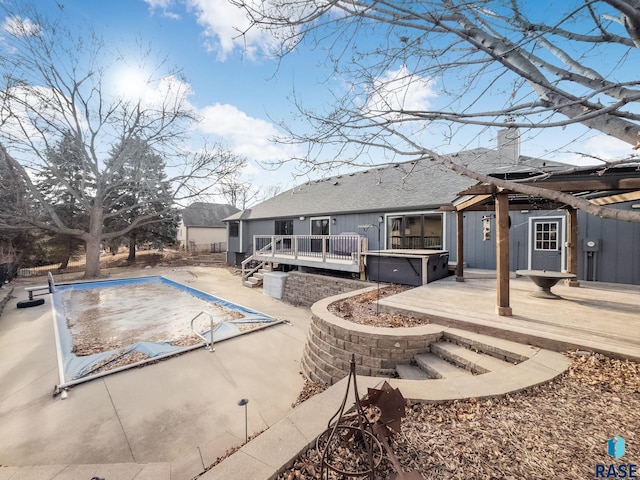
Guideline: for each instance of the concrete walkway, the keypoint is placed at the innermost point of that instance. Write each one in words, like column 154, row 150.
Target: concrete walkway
column 164, row 421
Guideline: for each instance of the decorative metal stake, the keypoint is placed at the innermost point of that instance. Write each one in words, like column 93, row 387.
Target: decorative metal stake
column 342, row 432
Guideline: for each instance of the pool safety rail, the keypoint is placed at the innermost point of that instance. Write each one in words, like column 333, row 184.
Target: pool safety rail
column 211, row 321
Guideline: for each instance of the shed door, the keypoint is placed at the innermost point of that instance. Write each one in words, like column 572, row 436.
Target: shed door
column 546, row 244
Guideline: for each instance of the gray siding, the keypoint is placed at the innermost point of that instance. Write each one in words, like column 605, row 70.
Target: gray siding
column 479, row 253
column 450, row 235
column 618, row 256
column 617, row 261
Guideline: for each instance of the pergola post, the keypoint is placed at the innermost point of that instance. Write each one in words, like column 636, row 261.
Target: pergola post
column 502, row 255
column 460, row 246
column 572, row 246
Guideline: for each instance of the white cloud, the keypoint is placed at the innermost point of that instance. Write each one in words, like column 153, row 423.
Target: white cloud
column 399, row 90
column 245, row 135
column 223, row 24
column 600, row 147
column 20, row 27
column 164, row 6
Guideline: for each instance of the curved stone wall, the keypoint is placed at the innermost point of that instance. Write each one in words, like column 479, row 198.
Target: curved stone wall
column 333, row 340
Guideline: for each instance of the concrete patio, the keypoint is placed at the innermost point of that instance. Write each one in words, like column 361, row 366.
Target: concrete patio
column 595, row 316
column 172, row 419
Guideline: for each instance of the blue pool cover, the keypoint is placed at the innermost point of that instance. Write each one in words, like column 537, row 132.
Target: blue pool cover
column 76, row 367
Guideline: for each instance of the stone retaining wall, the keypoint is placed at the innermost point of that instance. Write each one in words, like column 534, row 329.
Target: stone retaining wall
column 305, row 289
column 333, row 340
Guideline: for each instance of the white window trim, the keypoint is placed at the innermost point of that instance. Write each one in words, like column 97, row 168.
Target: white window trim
column 311, row 219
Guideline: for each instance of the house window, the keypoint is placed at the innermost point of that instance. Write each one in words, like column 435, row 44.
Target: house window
column 547, row 236
column 234, row 229
column 418, row 231
column 284, row 227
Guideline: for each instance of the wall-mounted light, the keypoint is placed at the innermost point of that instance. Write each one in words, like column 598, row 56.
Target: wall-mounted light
column 380, row 219
column 333, row 221
column 302, row 218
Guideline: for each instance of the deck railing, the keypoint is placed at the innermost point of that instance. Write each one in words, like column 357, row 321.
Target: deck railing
column 322, row 248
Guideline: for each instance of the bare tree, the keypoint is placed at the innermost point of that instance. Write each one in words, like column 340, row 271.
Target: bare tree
column 492, row 63
column 243, row 194
column 57, row 82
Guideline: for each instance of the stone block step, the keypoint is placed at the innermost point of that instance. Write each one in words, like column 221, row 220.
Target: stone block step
column 473, row 361
column 411, row 372
column 437, row 367
column 512, row 352
column 248, row 283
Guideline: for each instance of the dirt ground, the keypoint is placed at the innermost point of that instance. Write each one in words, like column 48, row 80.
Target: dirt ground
column 557, row 430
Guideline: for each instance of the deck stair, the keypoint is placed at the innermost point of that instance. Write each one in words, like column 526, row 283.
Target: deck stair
column 256, row 279
column 458, row 355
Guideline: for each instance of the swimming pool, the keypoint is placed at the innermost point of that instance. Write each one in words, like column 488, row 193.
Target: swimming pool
column 109, row 325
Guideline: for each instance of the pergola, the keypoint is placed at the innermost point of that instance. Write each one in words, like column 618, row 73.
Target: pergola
column 599, row 187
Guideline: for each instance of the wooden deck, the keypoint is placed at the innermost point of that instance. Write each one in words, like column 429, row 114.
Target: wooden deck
column 331, row 252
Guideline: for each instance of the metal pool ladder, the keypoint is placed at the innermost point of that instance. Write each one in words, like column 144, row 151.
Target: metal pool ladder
column 207, row 342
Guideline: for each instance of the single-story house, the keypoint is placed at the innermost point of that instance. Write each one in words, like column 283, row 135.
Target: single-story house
column 417, row 206
column 202, row 227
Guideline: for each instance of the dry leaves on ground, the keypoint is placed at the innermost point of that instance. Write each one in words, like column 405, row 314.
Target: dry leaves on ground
column 556, row 430
column 362, row 309
column 309, row 389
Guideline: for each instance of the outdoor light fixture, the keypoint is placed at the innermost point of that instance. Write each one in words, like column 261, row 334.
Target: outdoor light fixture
column 243, row 403
column 333, row 221
column 302, row 218
column 380, row 219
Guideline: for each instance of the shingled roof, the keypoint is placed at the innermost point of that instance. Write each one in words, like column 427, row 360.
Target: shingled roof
column 201, row 214
column 415, row 185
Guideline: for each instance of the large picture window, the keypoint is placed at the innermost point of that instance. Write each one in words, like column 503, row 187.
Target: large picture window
column 415, row 231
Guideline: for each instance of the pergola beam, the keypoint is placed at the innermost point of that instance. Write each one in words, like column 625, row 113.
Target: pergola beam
column 618, row 198
column 565, row 185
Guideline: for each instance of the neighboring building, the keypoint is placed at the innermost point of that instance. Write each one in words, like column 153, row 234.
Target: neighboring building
column 201, row 227
column 405, row 206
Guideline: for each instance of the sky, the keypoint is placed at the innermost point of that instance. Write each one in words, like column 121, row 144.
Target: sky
column 242, row 93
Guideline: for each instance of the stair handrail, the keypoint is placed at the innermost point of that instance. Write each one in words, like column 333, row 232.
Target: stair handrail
column 246, row 273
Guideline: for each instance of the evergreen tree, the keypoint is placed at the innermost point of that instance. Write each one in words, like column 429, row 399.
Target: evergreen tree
column 66, row 184
column 141, row 190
